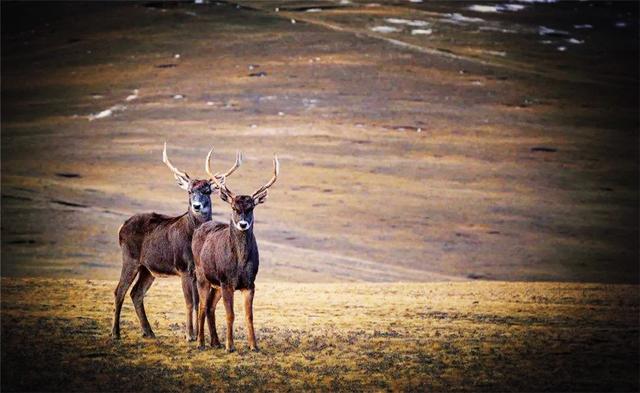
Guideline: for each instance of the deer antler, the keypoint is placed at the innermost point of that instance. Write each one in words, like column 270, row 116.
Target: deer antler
column 219, row 179
column 276, row 170
column 175, row 170
column 236, row 165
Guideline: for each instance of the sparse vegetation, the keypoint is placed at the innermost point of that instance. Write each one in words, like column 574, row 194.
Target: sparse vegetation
column 473, row 336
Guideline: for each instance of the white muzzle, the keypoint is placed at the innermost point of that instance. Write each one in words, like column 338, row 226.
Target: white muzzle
column 242, row 225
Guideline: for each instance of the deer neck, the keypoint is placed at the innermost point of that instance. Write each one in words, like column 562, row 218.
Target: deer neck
column 241, row 242
column 194, row 221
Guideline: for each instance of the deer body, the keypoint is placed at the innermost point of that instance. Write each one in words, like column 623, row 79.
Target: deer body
column 161, row 243
column 231, row 255
column 155, row 245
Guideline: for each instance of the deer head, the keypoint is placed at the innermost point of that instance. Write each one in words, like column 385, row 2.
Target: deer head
column 242, row 205
column 200, row 190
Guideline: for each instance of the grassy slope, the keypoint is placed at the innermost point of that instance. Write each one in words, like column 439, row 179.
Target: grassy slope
column 465, row 196
column 439, row 336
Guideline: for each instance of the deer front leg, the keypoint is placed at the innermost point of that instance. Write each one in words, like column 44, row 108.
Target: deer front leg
column 212, row 300
column 227, row 298
column 203, row 292
column 189, row 297
column 248, row 313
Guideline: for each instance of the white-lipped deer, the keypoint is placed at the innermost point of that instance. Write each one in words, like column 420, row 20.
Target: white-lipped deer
column 227, row 259
column 155, row 245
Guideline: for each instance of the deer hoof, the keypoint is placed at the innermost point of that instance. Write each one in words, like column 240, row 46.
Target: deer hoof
column 216, row 345
column 115, row 335
column 230, row 350
column 191, row 338
column 202, row 347
column 148, row 334
column 255, row 349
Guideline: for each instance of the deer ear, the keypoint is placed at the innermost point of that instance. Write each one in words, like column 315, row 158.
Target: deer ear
column 183, row 182
column 260, row 198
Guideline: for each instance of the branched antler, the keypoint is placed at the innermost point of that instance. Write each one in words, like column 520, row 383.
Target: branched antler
column 276, row 170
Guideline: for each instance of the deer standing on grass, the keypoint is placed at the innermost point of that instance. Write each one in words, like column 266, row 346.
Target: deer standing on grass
column 155, row 245
column 226, row 257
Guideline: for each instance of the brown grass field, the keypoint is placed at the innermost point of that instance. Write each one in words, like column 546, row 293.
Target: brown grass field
column 473, row 336
column 456, row 211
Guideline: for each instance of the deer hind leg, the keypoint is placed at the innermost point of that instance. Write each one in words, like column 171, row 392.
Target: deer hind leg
column 203, row 291
column 227, row 298
column 129, row 271
column 196, row 301
column 190, row 292
column 248, row 313
column 212, row 300
column 145, row 279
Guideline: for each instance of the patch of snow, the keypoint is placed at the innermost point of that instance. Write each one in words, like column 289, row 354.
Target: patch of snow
column 459, row 18
column 538, row 1
column 575, row 41
column 621, row 24
column 385, row 29
column 107, row 112
column 133, row 96
column 513, row 7
column 585, row 26
column 421, row 31
column 498, row 29
column 415, row 1
column 495, row 7
column 483, row 8
column 415, row 23
column 101, row 115
column 309, row 102
column 546, row 42
column 293, row 21
column 314, row 10
column 178, row 97
column 562, row 48
column 542, row 30
column 496, row 53
column 343, row 2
